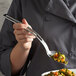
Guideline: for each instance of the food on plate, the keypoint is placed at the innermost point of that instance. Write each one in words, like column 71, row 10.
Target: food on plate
column 59, row 57
column 61, row 72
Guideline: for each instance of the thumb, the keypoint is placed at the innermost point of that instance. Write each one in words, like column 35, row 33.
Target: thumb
column 24, row 21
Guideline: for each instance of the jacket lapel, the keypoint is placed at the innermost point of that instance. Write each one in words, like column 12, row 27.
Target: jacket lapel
column 59, row 8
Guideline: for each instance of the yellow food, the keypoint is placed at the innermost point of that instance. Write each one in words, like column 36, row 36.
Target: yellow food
column 59, row 58
column 61, row 72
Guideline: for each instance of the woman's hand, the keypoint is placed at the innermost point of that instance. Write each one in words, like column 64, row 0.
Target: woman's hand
column 23, row 37
column 21, row 50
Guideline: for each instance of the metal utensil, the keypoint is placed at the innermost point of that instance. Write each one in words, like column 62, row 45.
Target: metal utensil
column 49, row 53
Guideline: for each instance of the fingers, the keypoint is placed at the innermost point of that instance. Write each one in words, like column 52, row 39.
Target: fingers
column 24, row 22
column 18, row 32
column 23, row 36
column 26, row 40
column 22, row 25
column 19, row 26
column 23, row 32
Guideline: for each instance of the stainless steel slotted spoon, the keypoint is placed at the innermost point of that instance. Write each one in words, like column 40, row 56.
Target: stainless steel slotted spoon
column 49, row 53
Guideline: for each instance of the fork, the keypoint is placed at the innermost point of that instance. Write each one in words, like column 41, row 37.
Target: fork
column 48, row 52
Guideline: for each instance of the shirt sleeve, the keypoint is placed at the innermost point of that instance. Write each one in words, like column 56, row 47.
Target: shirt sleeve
column 7, row 38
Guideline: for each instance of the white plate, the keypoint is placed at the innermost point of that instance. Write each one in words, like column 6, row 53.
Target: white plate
column 74, row 70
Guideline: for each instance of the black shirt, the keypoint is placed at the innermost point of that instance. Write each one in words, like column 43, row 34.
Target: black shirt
column 71, row 4
column 57, row 26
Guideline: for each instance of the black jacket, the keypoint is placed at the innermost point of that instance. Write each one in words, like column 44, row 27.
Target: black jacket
column 54, row 22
